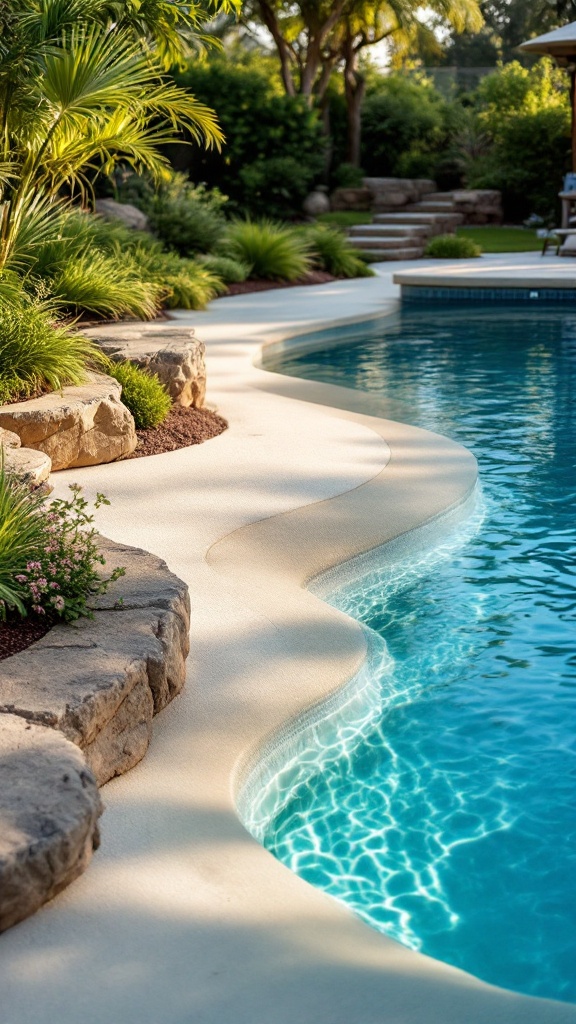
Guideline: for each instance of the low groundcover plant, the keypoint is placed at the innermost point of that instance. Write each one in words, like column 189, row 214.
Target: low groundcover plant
column 54, row 571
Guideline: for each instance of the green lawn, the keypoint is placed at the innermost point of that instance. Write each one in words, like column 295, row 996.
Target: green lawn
column 490, row 239
column 496, row 239
column 345, row 218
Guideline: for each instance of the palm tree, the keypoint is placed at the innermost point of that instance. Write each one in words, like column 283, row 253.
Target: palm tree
column 83, row 87
column 371, row 23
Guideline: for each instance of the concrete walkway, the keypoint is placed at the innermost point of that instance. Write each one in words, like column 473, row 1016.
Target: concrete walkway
column 183, row 917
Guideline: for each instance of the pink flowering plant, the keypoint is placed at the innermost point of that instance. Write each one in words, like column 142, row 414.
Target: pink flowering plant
column 52, row 568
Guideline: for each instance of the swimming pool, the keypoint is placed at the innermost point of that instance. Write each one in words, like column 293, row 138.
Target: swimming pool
column 450, row 823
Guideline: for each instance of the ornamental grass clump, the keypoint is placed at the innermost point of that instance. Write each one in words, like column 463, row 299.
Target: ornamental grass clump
column 274, row 252
column 229, row 270
column 108, row 285
column 49, row 558
column 333, row 253
column 187, row 283
column 38, row 352
column 142, row 393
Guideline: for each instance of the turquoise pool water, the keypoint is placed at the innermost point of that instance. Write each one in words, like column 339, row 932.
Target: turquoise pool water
column 451, row 824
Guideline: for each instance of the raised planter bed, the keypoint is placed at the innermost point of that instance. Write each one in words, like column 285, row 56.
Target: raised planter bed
column 76, row 709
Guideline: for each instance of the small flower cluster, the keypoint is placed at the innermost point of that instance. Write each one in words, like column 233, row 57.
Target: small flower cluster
column 62, row 576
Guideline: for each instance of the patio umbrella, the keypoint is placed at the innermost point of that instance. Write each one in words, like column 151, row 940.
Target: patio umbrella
column 560, row 44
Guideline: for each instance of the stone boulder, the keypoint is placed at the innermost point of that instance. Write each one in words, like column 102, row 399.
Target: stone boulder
column 316, row 202
column 8, row 439
column 100, row 681
column 78, row 426
column 49, row 810
column 358, row 200
column 30, row 467
column 173, row 353
column 130, row 215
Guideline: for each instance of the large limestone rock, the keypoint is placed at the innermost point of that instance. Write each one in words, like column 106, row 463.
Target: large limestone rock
column 30, row 467
column 175, row 354
column 101, row 680
column 79, row 426
column 49, row 809
column 9, row 440
column 130, row 215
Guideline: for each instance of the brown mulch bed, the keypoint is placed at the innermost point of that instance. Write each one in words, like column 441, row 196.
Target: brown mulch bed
column 18, row 635
column 247, row 287
column 181, row 428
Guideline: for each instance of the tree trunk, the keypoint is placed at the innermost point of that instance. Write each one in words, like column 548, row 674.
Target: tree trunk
column 271, row 22
column 354, row 90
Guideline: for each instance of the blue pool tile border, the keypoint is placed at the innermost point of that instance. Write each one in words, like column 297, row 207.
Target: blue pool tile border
column 427, row 293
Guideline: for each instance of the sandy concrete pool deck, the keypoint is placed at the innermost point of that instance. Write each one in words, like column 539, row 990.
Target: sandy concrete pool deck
column 182, row 917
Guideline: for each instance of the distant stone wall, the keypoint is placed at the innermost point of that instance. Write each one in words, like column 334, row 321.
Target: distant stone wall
column 392, row 194
column 357, row 200
column 382, row 195
column 479, row 205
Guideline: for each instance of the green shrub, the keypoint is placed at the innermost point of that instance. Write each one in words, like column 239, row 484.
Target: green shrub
column 524, row 113
column 452, row 247
column 38, row 351
column 403, row 128
column 187, row 218
column 331, row 251
column 347, row 176
column 263, row 128
column 142, row 393
column 274, row 252
column 229, row 270
column 276, row 186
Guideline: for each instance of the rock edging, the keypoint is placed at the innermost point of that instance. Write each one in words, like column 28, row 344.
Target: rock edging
column 28, row 466
column 81, row 425
column 76, row 709
column 173, row 353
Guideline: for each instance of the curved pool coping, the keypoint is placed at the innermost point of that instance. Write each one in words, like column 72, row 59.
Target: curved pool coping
column 184, row 916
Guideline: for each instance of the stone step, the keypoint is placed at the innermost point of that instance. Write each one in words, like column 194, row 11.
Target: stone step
column 444, row 220
column 431, row 206
column 392, row 230
column 408, row 252
column 432, row 197
column 367, row 242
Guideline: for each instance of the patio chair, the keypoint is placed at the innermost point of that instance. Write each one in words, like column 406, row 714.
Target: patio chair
column 561, row 240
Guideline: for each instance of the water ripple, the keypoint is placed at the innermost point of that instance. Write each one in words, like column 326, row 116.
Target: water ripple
column 449, row 819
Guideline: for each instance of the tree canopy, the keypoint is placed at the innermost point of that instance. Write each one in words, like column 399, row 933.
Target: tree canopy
column 315, row 38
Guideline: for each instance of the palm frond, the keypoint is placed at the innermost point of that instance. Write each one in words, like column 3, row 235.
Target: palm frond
column 27, row 222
